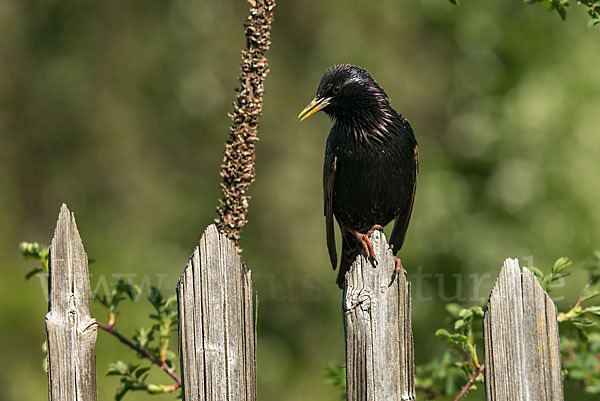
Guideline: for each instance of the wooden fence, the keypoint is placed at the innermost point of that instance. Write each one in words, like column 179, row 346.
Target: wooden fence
column 217, row 338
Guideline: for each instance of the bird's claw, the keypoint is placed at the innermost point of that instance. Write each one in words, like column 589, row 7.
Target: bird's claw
column 365, row 240
column 372, row 230
column 367, row 245
column 399, row 268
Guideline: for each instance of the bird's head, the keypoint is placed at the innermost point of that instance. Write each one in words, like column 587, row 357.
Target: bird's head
column 345, row 91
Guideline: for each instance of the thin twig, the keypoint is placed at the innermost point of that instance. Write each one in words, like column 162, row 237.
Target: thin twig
column 563, row 315
column 143, row 352
column 467, row 386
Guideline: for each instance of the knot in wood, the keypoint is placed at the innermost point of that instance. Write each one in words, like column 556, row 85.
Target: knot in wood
column 355, row 299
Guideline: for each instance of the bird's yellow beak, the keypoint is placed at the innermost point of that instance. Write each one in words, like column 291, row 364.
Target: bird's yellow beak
column 315, row 105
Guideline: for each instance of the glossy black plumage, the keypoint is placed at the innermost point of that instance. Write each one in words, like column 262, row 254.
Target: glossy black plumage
column 371, row 161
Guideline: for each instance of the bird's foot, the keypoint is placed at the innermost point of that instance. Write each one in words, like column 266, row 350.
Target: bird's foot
column 365, row 240
column 399, row 268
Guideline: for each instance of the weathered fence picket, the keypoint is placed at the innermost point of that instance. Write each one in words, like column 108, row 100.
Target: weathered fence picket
column 521, row 344
column 70, row 330
column 377, row 322
column 216, row 327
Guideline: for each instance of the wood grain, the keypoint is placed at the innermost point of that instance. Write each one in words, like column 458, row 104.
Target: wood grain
column 377, row 322
column 521, row 342
column 70, row 330
column 216, row 326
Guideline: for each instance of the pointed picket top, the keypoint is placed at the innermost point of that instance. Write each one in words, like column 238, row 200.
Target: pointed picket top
column 216, row 323
column 70, row 330
column 521, row 343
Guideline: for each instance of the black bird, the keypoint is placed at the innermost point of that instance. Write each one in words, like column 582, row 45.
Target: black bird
column 371, row 164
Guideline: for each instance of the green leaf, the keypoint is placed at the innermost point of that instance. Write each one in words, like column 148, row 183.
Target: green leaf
column 126, row 385
column 131, row 290
column 443, row 334
column 583, row 322
column 171, row 304
column 34, row 272
column 103, row 301
column 477, row 311
column 455, row 2
column 118, row 368
column 561, row 264
column 139, row 372
column 143, row 336
column 560, row 275
column 155, row 389
column 121, row 391
column 335, row 375
column 156, row 299
column 466, row 313
column 593, row 22
column 454, row 309
column 538, row 273
column 34, row 250
column 593, row 309
column 455, row 338
column 131, row 367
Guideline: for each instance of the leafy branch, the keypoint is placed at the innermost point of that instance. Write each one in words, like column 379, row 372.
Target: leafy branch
column 133, row 376
column 558, row 272
column 466, row 370
column 593, row 8
column 560, row 6
column 580, row 335
column 589, row 292
column 165, row 318
column 37, row 252
column 335, row 375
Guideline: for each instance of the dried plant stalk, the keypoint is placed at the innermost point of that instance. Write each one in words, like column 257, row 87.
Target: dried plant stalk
column 237, row 169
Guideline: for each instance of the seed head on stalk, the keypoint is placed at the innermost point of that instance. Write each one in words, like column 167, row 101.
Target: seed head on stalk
column 237, row 169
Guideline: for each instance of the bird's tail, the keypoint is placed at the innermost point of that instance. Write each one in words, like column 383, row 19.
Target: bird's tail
column 350, row 250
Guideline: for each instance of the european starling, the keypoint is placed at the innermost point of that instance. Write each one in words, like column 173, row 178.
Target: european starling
column 371, row 164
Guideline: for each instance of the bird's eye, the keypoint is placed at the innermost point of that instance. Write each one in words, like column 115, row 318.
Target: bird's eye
column 336, row 89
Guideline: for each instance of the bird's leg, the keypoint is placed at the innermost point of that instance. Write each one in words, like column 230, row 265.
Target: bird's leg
column 365, row 240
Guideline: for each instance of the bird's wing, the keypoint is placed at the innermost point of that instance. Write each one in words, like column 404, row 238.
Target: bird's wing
column 402, row 220
column 328, row 179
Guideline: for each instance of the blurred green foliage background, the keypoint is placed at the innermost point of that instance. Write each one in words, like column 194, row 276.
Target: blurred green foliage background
column 120, row 110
